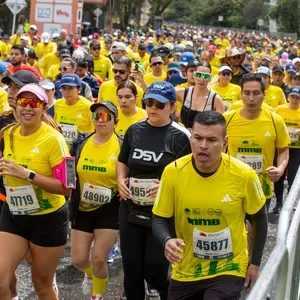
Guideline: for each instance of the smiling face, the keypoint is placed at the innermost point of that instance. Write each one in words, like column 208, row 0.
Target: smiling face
column 27, row 115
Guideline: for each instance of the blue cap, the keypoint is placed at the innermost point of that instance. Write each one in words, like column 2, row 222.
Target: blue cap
column 3, row 68
column 295, row 90
column 70, row 80
column 290, row 68
column 186, row 57
column 263, row 70
column 162, row 91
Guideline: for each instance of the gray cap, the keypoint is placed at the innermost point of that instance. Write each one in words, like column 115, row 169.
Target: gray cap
column 109, row 105
column 20, row 78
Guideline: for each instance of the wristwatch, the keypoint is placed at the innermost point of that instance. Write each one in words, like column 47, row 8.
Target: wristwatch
column 31, row 176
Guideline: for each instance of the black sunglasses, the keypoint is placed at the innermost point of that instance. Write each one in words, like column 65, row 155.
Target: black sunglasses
column 96, row 48
column 119, row 71
column 158, row 63
column 151, row 102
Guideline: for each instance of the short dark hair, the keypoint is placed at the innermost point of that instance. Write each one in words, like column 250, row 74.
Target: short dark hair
column 123, row 60
column 203, row 63
column 210, row 117
column 154, row 55
column 128, row 85
column 253, row 77
column 82, row 63
column 20, row 48
column 71, row 61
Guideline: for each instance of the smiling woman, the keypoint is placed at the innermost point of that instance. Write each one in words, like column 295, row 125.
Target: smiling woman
column 34, row 216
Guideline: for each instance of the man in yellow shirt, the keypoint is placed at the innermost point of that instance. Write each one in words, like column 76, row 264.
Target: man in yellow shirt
column 105, row 51
column 222, row 41
column 254, row 134
column 102, row 64
column 45, row 46
column 157, row 73
column 144, row 56
column 209, row 254
column 108, row 89
column 274, row 94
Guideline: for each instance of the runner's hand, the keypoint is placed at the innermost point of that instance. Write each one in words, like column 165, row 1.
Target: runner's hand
column 152, row 191
column 8, row 167
column 274, row 173
column 252, row 274
column 124, row 191
column 173, row 250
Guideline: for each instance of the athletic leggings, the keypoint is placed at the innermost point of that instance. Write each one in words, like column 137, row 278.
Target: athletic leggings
column 143, row 258
column 290, row 171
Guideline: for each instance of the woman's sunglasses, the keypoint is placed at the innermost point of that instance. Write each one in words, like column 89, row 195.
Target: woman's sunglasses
column 202, row 75
column 34, row 103
column 102, row 115
column 151, row 102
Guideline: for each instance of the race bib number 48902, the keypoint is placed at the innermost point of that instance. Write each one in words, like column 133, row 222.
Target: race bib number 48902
column 212, row 245
column 22, row 200
column 94, row 195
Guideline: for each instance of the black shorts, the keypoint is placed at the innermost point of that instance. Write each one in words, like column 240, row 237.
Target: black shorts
column 224, row 287
column 48, row 230
column 105, row 217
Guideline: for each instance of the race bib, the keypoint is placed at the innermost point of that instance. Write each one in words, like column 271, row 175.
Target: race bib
column 138, row 188
column 69, row 132
column 293, row 135
column 22, row 200
column 94, row 195
column 254, row 161
column 212, row 245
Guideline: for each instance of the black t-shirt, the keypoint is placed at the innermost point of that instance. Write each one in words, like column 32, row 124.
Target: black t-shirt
column 147, row 150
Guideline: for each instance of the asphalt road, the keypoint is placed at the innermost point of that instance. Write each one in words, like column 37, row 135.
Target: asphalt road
column 69, row 279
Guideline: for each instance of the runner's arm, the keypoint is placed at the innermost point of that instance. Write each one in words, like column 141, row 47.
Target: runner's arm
column 259, row 223
column 160, row 229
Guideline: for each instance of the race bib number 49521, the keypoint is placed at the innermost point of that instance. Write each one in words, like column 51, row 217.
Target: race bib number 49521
column 138, row 188
column 212, row 245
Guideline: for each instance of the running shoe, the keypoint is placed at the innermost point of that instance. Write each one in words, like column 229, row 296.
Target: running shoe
column 96, row 297
column 151, row 292
column 113, row 254
column 87, row 285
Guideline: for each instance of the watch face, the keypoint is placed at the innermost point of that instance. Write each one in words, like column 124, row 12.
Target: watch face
column 31, row 176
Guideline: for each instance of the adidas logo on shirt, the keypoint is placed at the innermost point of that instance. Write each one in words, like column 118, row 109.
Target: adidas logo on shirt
column 226, row 198
column 35, row 150
column 79, row 116
column 267, row 133
column 112, row 157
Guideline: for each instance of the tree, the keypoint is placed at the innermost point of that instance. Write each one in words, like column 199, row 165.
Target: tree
column 287, row 12
column 158, row 8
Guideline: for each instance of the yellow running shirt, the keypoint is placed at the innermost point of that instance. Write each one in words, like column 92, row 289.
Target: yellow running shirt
column 3, row 100
column 274, row 96
column 291, row 119
column 229, row 94
column 47, row 61
column 108, row 91
column 125, row 122
column 149, row 78
column 209, row 220
column 96, row 169
column 255, row 141
column 102, row 66
column 39, row 152
column 73, row 118
column 42, row 49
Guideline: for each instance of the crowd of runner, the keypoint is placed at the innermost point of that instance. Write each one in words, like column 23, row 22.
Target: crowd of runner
column 173, row 142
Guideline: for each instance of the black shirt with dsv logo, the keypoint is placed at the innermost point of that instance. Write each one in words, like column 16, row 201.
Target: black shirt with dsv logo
column 147, row 150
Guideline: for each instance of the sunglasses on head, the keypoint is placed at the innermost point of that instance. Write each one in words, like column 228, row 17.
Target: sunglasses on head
column 34, row 103
column 96, row 48
column 102, row 115
column 158, row 63
column 157, row 104
column 226, row 73
column 119, row 71
column 202, row 75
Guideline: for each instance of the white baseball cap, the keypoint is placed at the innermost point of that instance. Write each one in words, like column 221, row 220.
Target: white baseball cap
column 45, row 37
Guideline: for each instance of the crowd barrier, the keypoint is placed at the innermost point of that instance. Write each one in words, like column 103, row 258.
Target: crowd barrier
column 279, row 278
